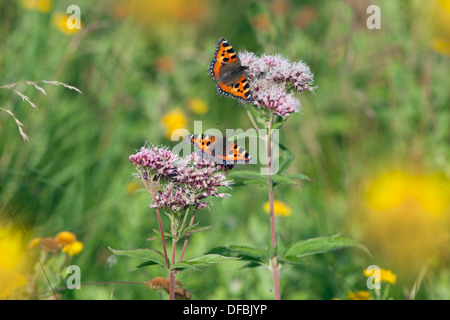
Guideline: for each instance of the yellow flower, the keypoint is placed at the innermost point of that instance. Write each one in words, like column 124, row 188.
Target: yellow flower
column 173, row 120
column 60, row 21
column 33, row 243
column 9, row 280
column 279, row 207
column 360, row 295
column 156, row 13
column 73, row 248
column 437, row 13
column 65, row 237
column 441, row 45
column 132, row 187
column 40, row 5
column 197, row 105
column 12, row 252
column 385, row 276
column 391, row 189
column 433, row 193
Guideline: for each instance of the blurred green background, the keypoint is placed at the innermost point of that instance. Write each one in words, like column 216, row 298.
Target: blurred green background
column 381, row 107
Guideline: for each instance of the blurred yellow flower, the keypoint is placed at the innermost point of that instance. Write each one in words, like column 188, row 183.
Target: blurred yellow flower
column 279, row 207
column 60, row 22
column 132, row 187
column 197, row 105
column 441, row 46
column 391, row 189
column 65, row 237
column 34, row 243
column 407, row 218
column 73, row 248
column 155, row 13
column 385, row 276
column 173, row 120
column 41, row 5
column 360, row 295
column 438, row 16
column 12, row 253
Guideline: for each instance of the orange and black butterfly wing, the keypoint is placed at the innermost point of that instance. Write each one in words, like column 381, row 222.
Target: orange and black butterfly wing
column 223, row 55
column 220, row 151
column 202, row 142
column 239, row 89
column 237, row 154
column 226, row 68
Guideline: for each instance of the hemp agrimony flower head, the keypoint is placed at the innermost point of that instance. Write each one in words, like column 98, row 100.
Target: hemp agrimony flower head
column 153, row 161
column 272, row 80
column 201, row 177
column 180, row 183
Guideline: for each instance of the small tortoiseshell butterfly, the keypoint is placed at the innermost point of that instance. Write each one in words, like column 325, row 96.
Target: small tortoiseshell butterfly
column 226, row 68
column 221, row 151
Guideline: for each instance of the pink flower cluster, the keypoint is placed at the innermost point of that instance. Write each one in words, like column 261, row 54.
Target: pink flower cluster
column 173, row 198
column 272, row 78
column 154, row 161
column 183, row 182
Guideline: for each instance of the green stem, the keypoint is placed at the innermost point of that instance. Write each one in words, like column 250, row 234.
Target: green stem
column 251, row 118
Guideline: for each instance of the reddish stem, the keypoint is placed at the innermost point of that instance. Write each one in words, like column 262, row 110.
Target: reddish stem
column 273, row 237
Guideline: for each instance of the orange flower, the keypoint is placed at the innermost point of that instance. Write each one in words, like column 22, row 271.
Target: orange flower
column 65, row 237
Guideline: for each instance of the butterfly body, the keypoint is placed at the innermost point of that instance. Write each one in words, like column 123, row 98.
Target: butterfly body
column 221, row 151
column 226, row 69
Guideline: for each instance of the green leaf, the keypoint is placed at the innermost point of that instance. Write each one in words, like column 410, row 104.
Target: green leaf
column 154, row 256
column 145, row 264
column 287, row 161
column 277, row 179
column 183, row 265
column 247, row 175
column 211, row 259
column 289, row 260
column 255, row 112
column 271, row 252
column 202, row 261
column 297, row 176
column 242, row 252
column 281, row 249
column 194, row 229
column 250, row 182
column 320, row 245
column 158, row 235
